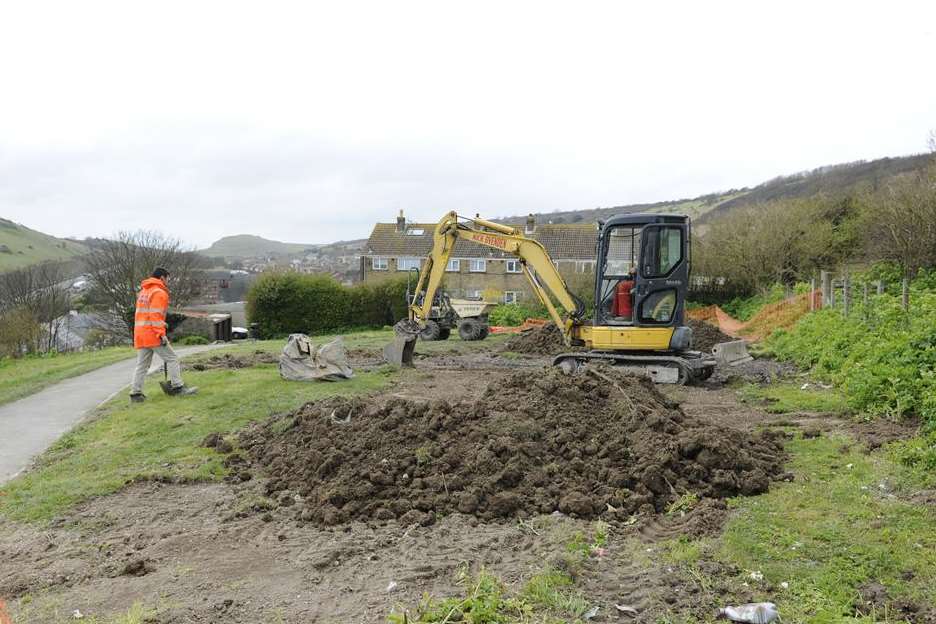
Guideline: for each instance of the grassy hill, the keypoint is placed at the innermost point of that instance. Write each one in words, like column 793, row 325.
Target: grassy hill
column 20, row 246
column 829, row 179
column 250, row 246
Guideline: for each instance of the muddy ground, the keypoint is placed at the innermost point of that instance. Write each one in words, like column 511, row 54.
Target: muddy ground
column 245, row 552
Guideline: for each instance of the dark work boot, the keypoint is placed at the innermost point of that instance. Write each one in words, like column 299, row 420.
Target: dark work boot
column 137, row 397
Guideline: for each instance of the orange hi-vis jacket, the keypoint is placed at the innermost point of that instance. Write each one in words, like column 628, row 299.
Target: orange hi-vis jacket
column 149, row 322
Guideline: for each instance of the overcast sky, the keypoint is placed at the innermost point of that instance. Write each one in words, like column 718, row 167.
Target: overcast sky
column 307, row 122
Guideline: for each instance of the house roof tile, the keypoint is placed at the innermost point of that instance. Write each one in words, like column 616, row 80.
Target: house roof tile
column 563, row 241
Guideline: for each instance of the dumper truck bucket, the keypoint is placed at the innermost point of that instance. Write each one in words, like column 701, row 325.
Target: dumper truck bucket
column 399, row 352
column 731, row 353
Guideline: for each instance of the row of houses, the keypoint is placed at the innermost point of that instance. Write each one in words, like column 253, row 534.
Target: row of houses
column 475, row 271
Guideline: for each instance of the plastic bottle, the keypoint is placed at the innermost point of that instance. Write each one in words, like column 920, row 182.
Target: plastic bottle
column 755, row 613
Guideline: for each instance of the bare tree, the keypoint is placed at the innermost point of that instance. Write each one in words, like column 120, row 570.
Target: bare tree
column 116, row 268
column 39, row 292
column 903, row 226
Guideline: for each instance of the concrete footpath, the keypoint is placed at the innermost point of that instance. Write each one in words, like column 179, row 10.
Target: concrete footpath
column 30, row 425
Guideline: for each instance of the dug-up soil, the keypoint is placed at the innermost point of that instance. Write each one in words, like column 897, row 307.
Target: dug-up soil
column 228, row 360
column 545, row 340
column 597, row 444
column 705, row 335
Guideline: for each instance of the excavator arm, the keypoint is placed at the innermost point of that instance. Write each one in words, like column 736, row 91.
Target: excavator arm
column 545, row 279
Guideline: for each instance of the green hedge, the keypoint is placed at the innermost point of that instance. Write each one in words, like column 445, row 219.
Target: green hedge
column 285, row 302
column 885, row 361
column 513, row 314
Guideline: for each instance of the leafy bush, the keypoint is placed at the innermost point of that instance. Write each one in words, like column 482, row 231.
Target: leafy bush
column 885, row 363
column 285, row 302
column 513, row 314
column 193, row 340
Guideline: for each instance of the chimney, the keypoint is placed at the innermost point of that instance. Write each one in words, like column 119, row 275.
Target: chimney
column 530, row 224
column 401, row 222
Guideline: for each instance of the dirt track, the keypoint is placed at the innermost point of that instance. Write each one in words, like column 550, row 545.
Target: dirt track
column 229, row 553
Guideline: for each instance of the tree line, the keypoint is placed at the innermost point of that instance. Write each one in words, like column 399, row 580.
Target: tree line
column 786, row 241
column 35, row 300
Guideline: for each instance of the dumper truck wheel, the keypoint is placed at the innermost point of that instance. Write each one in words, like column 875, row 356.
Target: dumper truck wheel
column 469, row 329
column 445, row 333
column 485, row 331
column 431, row 331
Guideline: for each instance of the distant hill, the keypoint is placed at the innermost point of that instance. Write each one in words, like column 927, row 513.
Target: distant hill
column 21, row 246
column 250, row 246
column 829, row 179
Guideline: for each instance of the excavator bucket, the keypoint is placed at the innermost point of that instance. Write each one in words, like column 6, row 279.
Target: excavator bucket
column 399, row 352
column 731, row 353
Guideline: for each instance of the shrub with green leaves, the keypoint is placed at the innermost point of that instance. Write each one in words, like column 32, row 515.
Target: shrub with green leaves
column 286, row 302
column 513, row 314
column 883, row 358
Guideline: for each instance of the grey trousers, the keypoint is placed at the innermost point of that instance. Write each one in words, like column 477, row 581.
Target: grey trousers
column 145, row 358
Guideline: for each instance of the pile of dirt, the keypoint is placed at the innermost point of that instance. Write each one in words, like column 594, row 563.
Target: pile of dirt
column 545, row 340
column 229, row 360
column 599, row 443
column 705, row 335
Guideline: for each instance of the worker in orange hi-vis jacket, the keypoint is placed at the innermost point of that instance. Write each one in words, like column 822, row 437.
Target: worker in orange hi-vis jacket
column 149, row 337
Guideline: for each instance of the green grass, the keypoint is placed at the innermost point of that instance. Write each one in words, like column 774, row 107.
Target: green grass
column 783, row 398
column 29, row 247
column 549, row 596
column 826, row 534
column 25, row 376
column 161, row 437
column 373, row 340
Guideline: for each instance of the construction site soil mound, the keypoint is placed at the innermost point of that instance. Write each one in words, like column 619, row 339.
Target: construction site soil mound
column 545, row 340
column 229, row 360
column 596, row 444
column 705, row 335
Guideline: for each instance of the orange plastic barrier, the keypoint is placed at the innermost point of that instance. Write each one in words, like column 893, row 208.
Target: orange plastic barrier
column 774, row 316
column 529, row 323
column 4, row 615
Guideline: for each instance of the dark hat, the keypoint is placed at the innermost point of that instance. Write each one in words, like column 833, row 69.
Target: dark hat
column 160, row 273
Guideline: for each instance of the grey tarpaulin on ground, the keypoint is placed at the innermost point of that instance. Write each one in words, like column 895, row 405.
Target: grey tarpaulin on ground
column 301, row 360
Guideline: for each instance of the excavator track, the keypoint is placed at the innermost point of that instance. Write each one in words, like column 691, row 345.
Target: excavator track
column 683, row 368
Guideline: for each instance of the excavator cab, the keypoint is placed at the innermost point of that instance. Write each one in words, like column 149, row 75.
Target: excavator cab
column 642, row 271
column 641, row 282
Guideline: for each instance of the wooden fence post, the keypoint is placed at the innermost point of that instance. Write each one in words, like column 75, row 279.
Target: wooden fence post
column 826, row 288
column 812, row 295
column 846, row 294
column 880, row 287
column 905, row 295
column 864, row 299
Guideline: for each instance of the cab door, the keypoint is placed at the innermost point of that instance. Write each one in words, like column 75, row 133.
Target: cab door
column 663, row 275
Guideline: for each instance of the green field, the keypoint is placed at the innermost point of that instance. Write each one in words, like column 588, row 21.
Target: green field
column 20, row 246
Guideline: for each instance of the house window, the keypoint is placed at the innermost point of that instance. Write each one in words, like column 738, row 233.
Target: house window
column 408, row 264
column 415, row 232
column 584, row 266
column 511, row 296
column 453, row 266
column 477, row 265
column 472, row 293
column 513, row 266
column 379, row 263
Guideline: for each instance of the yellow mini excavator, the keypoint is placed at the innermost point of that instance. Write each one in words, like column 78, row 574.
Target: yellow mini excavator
column 641, row 280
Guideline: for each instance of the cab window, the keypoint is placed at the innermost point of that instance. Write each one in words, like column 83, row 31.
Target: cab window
column 662, row 251
column 658, row 307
